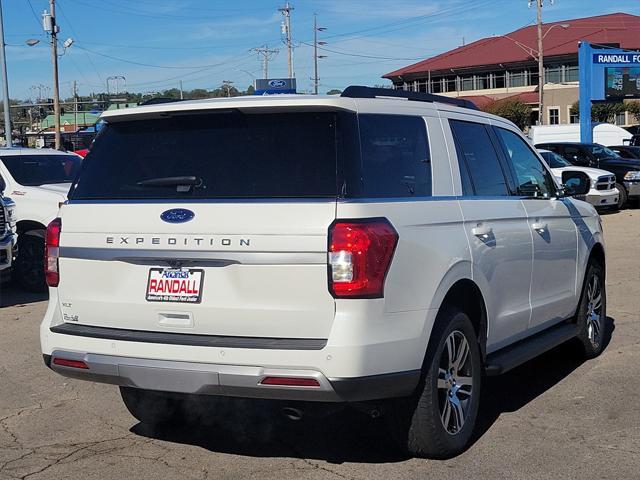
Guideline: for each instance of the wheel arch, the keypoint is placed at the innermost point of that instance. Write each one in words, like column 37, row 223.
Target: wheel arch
column 30, row 227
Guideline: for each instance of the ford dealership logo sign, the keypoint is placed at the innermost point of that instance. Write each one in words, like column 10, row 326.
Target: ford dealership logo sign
column 177, row 215
column 277, row 83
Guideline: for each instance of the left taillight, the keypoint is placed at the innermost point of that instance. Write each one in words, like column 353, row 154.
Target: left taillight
column 52, row 251
column 360, row 254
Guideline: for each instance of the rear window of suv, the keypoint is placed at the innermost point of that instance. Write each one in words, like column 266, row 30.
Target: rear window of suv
column 235, row 155
column 36, row 170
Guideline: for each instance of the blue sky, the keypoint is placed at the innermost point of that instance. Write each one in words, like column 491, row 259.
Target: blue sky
column 156, row 43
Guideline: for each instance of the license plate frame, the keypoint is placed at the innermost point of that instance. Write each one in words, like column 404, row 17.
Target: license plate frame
column 165, row 293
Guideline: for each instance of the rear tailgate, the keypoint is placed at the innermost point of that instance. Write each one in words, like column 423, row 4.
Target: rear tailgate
column 263, row 268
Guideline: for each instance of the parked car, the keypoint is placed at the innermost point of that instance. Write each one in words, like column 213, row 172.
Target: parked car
column 7, row 235
column 603, row 192
column 627, row 151
column 38, row 181
column 360, row 249
column 603, row 134
column 626, row 170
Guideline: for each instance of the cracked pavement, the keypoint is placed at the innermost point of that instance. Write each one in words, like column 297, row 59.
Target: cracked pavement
column 554, row 417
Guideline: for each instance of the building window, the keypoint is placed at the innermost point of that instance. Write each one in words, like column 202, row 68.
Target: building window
column 554, row 75
column 499, row 80
column 571, row 74
column 517, row 79
column 621, row 118
column 467, row 83
column 554, row 116
column 422, row 85
column 483, row 82
column 573, row 117
column 450, row 84
column 436, row 86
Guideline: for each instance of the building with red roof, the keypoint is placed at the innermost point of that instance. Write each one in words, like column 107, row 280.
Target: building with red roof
column 505, row 66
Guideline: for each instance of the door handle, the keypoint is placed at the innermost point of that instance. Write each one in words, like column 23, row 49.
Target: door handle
column 540, row 227
column 482, row 231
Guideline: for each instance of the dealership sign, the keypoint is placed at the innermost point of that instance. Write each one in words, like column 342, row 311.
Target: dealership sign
column 270, row 86
column 605, row 74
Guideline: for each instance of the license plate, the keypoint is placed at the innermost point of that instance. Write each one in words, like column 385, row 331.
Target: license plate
column 183, row 285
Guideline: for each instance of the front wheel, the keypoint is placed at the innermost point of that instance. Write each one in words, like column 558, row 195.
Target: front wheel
column 439, row 419
column 592, row 312
column 622, row 196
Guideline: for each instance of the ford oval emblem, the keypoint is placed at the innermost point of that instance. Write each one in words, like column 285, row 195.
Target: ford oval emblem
column 277, row 83
column 177, row 215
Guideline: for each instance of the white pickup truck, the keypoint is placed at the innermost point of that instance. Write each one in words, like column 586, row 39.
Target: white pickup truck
column 37, row 180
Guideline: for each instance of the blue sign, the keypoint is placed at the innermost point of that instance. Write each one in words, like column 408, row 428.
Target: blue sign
column 605, row 73
column 270, row 86
column 177, row 215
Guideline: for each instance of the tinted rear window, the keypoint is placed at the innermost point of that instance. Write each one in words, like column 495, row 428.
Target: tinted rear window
column 233, row 155
column 259, row 155
column 34, row 170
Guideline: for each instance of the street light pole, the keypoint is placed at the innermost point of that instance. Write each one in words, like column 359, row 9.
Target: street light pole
column 49, row 24
column 540, row 65
column 5, row 84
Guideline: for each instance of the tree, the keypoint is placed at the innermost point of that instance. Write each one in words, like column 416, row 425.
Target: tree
column 250, row 90
column 512, row 109
column 634, row 109
column 334, row 91
column 602, row 111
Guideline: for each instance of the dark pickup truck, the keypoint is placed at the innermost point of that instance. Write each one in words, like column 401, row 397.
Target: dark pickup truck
column 626, row 170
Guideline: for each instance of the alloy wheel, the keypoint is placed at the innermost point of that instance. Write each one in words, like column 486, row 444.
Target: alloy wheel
column 594, row 310
column 455, row 382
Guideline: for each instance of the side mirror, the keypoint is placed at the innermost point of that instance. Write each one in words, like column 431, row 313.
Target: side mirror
column 575, row 183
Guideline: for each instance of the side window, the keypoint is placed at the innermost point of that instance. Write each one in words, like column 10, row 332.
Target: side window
column 532, row 178
column 478, row 160
column 395, row 156
column 575, row 155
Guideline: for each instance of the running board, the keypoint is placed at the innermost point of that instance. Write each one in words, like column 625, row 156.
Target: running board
column 520, row 352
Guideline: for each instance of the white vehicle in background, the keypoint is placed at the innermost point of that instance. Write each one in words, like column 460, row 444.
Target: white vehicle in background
column 603, row 192
column 603, row 133
column 37, row 180
column 7, row 235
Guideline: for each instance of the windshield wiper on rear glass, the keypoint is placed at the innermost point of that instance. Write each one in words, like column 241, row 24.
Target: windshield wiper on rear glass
column 187, row 181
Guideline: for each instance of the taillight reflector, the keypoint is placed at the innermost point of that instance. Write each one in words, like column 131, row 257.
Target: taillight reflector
column 63, row 362
column 290, row 381
column 52, row 251
column 360, row 253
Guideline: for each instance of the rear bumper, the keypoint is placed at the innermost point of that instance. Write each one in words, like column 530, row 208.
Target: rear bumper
column 230, row 380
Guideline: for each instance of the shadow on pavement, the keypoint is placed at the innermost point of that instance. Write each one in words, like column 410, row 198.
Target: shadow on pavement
column 257, row 428
column 12, row 295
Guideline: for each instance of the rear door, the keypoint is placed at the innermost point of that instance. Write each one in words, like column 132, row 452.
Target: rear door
column 498, row 233
column 213, row 223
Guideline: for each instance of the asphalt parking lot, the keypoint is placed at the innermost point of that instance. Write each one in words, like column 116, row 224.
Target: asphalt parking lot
column 554, row 417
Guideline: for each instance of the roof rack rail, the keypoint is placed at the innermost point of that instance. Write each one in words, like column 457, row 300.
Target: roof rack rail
column 158, row 100
column 357, row 91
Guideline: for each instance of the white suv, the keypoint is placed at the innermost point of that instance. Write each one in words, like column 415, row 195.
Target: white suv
column 38, row 181
column 380, row 248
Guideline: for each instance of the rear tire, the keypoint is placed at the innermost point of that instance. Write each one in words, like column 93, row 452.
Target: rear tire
column 29, row 265
column 151, row 407
column 592, row 312
column 438, row 420
column 622, row 196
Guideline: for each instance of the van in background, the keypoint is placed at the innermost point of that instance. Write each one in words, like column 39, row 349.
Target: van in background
column 603, row 133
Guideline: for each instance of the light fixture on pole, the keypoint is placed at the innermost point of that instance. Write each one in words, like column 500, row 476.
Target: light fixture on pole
column 316, row 42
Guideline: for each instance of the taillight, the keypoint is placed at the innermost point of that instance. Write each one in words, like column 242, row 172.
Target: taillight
column 51, row 252
column 360, row 253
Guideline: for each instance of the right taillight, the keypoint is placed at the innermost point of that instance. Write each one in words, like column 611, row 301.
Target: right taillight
column 51, row 252
column 360, row 254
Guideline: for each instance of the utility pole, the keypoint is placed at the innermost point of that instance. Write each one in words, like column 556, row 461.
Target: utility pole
column 286, row 31
column 49, row 24
column 316, row 29
column 226, row 84
column 541, row 79
column 5, row 85
column 267, row 54
column 75, row 104
column 181, row 92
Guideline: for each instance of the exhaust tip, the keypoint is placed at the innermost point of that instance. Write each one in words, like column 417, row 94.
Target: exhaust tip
column 292, row 414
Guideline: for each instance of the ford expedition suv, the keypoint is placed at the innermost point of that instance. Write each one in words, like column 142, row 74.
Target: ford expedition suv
column 383, row 249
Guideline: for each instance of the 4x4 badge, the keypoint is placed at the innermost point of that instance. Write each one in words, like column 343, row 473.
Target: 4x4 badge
column 177, row 215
